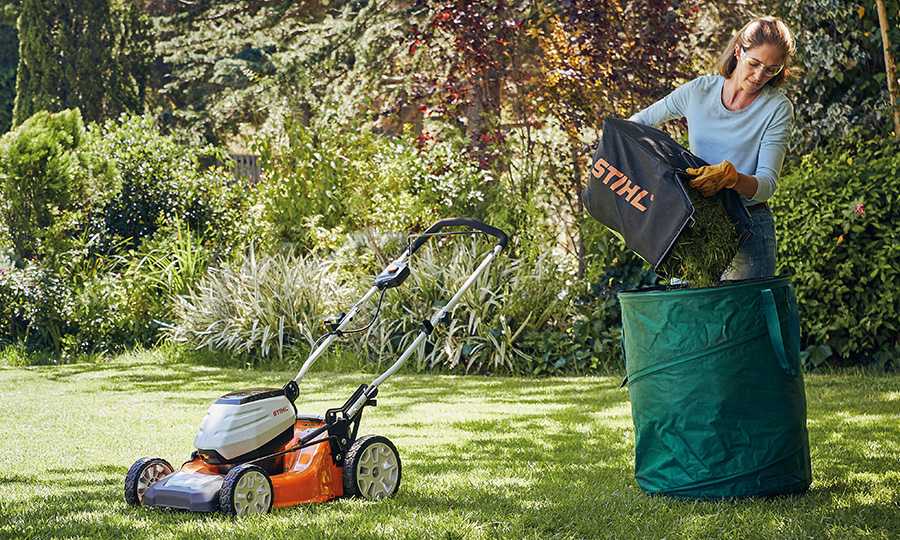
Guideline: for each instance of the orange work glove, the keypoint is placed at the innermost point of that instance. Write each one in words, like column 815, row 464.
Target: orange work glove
column 712, row 178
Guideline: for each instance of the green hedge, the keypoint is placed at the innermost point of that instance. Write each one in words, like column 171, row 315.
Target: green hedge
column 837, row 214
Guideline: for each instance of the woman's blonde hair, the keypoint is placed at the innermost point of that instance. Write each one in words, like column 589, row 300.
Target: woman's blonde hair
column 764, row 30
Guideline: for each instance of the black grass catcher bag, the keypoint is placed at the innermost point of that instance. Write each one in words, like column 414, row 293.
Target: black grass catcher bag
column 635, row 187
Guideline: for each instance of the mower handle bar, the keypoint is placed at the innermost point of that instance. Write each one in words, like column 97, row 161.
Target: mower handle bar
column 502, row 240
column 424, row 333
column 501, row 237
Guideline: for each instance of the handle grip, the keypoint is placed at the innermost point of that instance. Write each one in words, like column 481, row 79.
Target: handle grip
column 501, row 237
column 774, row 326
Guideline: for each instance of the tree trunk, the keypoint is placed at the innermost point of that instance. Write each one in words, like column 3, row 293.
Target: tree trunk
column 483, row 115
column 577, row 209
column 889, row 66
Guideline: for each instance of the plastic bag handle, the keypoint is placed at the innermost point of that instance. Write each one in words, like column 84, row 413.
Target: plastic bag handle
column 774, row 327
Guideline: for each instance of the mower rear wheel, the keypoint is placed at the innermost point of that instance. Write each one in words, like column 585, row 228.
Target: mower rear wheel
column 144, row 473
column 372, row 468
column 247, row 489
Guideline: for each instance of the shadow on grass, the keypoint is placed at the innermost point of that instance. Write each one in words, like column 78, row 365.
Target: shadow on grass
column 71, row 503
column 575, row 478
column 536, row 459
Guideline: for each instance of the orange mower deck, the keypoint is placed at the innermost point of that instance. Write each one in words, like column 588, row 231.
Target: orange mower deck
column 309, row 474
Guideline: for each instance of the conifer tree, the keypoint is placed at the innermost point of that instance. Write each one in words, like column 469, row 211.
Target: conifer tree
column 9, row 58
column 90, row 54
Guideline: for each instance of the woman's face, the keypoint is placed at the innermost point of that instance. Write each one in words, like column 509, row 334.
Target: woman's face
column 757, row 66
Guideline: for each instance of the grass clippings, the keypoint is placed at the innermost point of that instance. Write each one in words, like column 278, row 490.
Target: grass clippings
column 703, row 251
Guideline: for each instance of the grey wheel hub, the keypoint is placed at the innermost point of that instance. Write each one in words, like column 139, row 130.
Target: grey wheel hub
column 377, row 471
column 151, row 475
column 252, row 494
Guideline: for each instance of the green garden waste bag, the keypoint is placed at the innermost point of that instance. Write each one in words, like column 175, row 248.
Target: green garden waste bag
column 716, row 390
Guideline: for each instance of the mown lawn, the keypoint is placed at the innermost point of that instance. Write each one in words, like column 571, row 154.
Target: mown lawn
column 482, row 458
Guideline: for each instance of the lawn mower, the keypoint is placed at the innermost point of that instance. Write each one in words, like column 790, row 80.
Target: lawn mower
column 254, row 451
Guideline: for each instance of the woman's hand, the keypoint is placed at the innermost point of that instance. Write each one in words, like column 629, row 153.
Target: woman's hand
column 710, row 179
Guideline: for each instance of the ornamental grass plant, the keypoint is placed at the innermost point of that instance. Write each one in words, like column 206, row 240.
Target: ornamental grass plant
column 262, row 308
column 485, row 333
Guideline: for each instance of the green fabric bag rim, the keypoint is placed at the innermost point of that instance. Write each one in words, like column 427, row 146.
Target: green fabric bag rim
column 637, row 295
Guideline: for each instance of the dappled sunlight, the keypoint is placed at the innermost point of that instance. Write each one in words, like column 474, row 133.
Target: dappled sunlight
column 865, row 419
column 482, row 457
column 617, row 417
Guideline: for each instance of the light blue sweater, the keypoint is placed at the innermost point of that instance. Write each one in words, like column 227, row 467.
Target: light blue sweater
column 754, row 139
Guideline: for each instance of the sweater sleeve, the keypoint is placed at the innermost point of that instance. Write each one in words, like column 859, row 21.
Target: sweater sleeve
column 672, row 106
column 772, row 150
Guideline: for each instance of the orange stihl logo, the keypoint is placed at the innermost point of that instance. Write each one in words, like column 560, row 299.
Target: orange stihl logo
column 282, row 410
column 621, row 186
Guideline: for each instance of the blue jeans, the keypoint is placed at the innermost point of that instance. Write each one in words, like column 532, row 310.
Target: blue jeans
column 756, row 256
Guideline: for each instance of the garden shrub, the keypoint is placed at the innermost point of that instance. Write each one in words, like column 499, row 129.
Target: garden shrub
column 161, row 181
column 327, row 182
column 36, row 307
column 166, row 265
column 228, row 214
column 273, row 307
column 83, row 308
column 50, row 181
column 99, row 222
column 596, row 320
column 841, row 62
column 837, row 213
column 100, row 321
column 123, row 300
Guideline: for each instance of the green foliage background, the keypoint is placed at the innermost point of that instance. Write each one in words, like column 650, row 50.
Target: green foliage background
column 837, row 215
column 50, row 181
column 841, row 86
column 377, row 116
column 9, row 52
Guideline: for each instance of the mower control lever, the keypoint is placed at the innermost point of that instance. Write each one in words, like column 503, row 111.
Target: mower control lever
column 392, row 276
column 333, row 321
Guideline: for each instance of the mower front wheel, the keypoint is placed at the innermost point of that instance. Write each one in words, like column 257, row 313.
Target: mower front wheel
column 144, row 473
column 372, row 468
column 247, row 489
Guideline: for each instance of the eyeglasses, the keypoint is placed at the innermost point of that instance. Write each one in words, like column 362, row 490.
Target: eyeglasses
column 755, row 64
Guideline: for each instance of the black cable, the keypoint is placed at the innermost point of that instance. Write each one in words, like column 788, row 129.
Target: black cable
column 371, row 322
column 320, row 340
column 341, row 333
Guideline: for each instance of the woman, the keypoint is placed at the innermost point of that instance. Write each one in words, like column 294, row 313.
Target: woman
column 739, row 121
